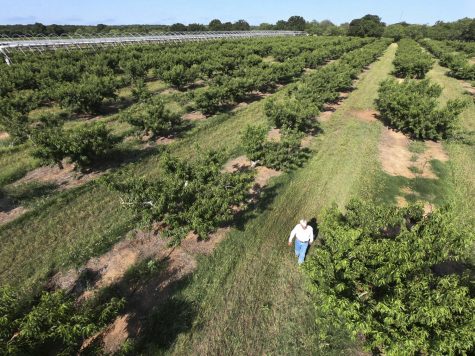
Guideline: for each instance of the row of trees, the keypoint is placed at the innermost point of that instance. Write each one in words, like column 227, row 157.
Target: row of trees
column 413, row 108
column 458, row 63
column 286, row 154
column 411, row 61
column 230, row 89
column 55, row 321
column 189, row 195
column 298, row 109
column 463, row 29
column 385, row 271
column 81, row 83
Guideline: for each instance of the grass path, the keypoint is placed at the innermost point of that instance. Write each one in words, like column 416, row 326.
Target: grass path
column 249, row 298
column 462, row 156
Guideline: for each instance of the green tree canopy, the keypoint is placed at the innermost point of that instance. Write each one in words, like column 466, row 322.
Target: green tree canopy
column 367, row 26
column 396, row 277
column 296, row 23
column 215, row 25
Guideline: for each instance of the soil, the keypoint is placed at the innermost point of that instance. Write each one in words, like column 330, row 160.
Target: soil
column 395, row 156
column 307, row 141
column 274, row 135
column 9, row 212
column 394, row 153
column 237, row 164
column 264, row 174
column 165, row 140
column 179, row 262
column 325, row 115
column 110, row 267
column 194, row 116
column 194, row 246
column 367, row 115
column 4, row 135
column 468, row 87
column 65, row 178
column 169, row 91
column 329, row 109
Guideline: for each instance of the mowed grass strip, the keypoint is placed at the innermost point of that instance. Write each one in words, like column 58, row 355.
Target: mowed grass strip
column 249, row 297
column 462, row 156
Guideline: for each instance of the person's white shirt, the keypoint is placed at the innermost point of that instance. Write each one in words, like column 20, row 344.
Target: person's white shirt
column 303, row 235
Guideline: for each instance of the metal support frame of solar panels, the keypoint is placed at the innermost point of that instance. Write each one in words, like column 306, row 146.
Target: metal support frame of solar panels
column 39, row 43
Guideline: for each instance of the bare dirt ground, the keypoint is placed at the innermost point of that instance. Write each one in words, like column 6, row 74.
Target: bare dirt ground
column 237, row 164
column 397, row 160
column 4, row 135
column 65, row 178
column 265, row 174
column 307, row 141
column 468, row 87
column 169, row 91
column 194, row 116
column 9, row 212
column 165, row 140
column 274, row 135
column 364, row 115
column 402, row 202
column 329, row 109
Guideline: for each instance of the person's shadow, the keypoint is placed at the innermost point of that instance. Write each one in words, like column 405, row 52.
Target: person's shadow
column 313, row 223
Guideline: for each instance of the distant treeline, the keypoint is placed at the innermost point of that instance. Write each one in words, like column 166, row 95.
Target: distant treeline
column 369, row 25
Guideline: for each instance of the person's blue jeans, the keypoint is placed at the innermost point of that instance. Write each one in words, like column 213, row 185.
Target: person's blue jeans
column 300, row 250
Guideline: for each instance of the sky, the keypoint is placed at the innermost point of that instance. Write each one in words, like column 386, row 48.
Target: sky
column 117, row 12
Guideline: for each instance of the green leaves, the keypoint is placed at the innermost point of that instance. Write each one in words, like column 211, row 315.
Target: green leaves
column 458, row 63
column 290, row 114
column 188, row 195
column 375, row 268
column 283, row 155
column 152, row 118
column 83, row 146
column 55, row 321
column 411, row 61
column 87, row 95
column 412, row 107
column 179, row 76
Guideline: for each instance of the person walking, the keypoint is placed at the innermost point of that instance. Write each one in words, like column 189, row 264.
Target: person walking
column 303, row 234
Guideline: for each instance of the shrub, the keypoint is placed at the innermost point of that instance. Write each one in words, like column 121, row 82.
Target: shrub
column 83, row 146
column 179, row 76
column 49, row 140
column 151, row 117
column 88, row 144
column 55, row 322
column 412, row 107
column 140, row 92
column 411, row 61
column 209, row 100
column 15, row 123
column 187, row 195
column 87, row 95
column 283, row 155
column 291, row 114
column 375, row 270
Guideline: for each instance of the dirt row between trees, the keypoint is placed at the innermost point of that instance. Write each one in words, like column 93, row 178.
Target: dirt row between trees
column 397, row 160
column 62, row 179
column 175, row 264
